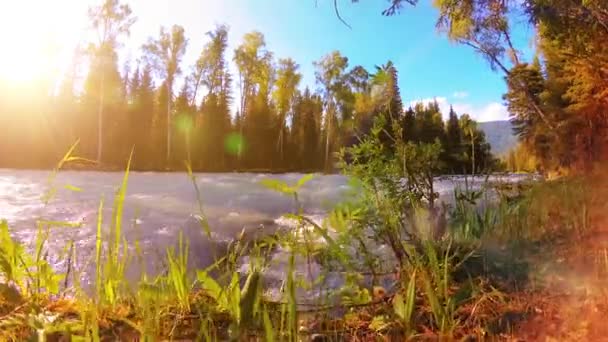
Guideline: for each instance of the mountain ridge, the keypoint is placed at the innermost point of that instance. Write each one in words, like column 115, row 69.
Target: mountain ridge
column 500, row 136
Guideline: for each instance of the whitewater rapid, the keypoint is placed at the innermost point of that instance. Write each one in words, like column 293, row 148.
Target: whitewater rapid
column 158, row 206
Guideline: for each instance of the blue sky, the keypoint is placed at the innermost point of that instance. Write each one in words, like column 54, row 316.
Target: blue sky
column 429, row 65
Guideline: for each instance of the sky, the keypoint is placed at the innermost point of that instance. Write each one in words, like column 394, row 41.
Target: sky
column 429, row 66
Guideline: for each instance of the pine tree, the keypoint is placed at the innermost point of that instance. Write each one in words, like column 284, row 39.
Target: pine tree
column 102, row 101
column 213, row 125
column 408, row 125
column 284, row 93
column 141, row 114
column 453, row 143
column 330, row 73
column 256, row 75
column 164, row 55
column 111, row 20
column 305, row 132
column 184, row 123
column 390, row 105
column 429, row 122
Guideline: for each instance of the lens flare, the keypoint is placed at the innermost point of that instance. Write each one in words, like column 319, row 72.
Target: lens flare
column 184, row 122
column 234, row 144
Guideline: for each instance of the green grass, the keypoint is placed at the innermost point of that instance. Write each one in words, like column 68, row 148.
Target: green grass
column 430, row 292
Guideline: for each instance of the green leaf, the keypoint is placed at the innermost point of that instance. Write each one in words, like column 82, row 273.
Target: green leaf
column 213, row 289
column 305, row 179
column 399, row 306
column 235, row 298
column 277, row 185
column 410, row 298
column 60, row 224
column 73, row 188
column 294, row 217
column 436, row 307
column 268, row 329
column 250, row 297
column 379, row 323
column 72, row 159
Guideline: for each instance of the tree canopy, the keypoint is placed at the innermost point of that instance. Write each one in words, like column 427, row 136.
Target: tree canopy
column 170, row 112
column 557, row 101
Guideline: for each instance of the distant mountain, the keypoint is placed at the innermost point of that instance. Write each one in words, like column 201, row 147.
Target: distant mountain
column 500, row 136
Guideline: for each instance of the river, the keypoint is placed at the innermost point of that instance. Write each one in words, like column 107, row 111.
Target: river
column 160, row 205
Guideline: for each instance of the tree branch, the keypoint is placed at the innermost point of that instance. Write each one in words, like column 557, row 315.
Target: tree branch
column 511, row 47
column 475, row 45
column 339, row 16
column 492, row 56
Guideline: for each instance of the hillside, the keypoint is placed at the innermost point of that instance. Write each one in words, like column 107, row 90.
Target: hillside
column 500, row 136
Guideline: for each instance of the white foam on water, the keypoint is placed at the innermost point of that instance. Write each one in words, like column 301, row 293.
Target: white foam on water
column 160, row 205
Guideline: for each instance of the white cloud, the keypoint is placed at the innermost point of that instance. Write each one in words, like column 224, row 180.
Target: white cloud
column 460, row 94
column 491, row 111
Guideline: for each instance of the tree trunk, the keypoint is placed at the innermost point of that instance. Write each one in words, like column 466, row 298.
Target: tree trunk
column 242, row 123
column 327, row 133
column 168, row 124
column 100, row 119
column 280, row 141
column 472, row 151
column 188, row 146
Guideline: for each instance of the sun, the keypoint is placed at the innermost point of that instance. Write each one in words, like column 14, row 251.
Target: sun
column 36, row 36
column 23, row 64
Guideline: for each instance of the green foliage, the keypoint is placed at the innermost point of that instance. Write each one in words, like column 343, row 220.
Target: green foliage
column 164, row 55
column 404, row 305
column 556, row 104
column 520, row 159
column 178, row 274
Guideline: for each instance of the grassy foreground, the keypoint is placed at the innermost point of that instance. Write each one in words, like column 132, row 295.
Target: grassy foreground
column 488, row 276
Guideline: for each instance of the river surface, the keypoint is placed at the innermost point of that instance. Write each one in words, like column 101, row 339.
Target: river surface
column 160, row 205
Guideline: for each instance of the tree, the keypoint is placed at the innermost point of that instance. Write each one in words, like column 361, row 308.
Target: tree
column 330, row 74
column 408, row 125
column 387, row 95
column 476, row 151
column 111, row 20
column 360, row 82
column 284, row 95
column 305, row 131
column 211, row 72
column 571, row 38
column 184, row 121
column 164, row 55
column 256, row 75
column 429, row 123
column 141, row 111
column 453, row 142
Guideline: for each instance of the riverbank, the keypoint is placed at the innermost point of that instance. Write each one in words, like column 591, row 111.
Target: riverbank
column 503, row 273
column 92, row 166
column 570, row 297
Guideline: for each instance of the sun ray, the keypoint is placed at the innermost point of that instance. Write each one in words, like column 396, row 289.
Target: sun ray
column 36, row 36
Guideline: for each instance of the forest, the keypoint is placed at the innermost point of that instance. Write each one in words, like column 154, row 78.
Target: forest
column 169, row 113
column 515, row 258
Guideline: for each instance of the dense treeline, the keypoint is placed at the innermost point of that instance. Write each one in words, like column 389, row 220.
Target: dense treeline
column 558, row 101
column 170, row 113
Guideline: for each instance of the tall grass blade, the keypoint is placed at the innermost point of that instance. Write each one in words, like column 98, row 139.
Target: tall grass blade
column 98, row 240
column 268, row 329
